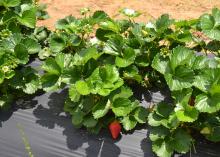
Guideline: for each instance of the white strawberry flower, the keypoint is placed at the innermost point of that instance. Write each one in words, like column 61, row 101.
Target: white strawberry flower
column 129, row 12
column 94, row 41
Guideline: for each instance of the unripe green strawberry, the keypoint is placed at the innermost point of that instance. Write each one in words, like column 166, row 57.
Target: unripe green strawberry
column 115, row 129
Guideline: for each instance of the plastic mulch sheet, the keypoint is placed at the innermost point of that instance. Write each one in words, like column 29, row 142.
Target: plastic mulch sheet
column 50, row 132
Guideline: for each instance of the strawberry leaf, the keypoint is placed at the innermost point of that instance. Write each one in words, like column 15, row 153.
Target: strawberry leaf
column 162, row 148
column 129, row 123
column 209, row 104
column 82, row 88
column 101, row 109
column 123, row 106
column 181, row 141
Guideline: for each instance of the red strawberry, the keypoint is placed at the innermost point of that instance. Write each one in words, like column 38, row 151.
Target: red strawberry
column 115, row 129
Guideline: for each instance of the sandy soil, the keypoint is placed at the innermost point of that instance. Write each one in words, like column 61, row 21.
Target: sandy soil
column 179, row 9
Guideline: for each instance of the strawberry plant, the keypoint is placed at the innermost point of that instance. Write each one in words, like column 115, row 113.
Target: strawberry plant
column 99, row 60
column 97, row 71
column 18, row 45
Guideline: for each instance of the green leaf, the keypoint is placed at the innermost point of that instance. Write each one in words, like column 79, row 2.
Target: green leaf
column 187, row 113
column 173, row 121
column 109, row 88
column 132, row 73
column 125, row 92
column 184, row 111
column 109, row 73
column 63, row 60
column 110, row 25
column 63, row 23
column 75, row 40
column 41, row 33
column 206, row 79
column 32, row 45
column 202, row 82
column 57, row 43
column 156, row 120
column 210, row 24
column 104, row 35
column 51, row 66
column 184, row 37
column 26, row 79
column 181, row 141
column 215, row 89
column 129, row 123
column 82, row 88
column 28, row 18
column 181, row 56
column 87, row 103
column 141, row 115
column 85, row 55
column 183, row 78
column 163, row 109
column 21, row 53
column 161, row 64
column 101, row 109
column 74, row 94
column 104, row 80
column 69, row 106
column 163, row 22
column 182, row 97
column 142, row 61
column 202, row 62
column 162, row 148
column 10, row 3
column 159, row 132
column 216, row 15
column 8, row 17
column 114, row 45
column 164, row 117
column 11, row 41
column 209, row 104
column 44, row 53
column 99, row 16
column 123, row 106
column 32, row 86
column 127, row 58
column 49, row 82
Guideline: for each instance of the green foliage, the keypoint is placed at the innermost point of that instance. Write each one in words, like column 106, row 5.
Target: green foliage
column 100, row 71
column 100, row 59
column 17, row 46
column 210, row 24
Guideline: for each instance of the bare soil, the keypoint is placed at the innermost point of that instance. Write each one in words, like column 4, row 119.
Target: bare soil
column 178, row 9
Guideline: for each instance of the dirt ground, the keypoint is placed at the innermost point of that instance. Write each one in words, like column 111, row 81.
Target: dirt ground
column 178, row 9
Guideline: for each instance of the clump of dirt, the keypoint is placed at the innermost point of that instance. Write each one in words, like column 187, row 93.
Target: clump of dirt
column 178, row 9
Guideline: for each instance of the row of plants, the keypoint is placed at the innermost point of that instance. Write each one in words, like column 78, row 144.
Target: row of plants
column 100, row 60
column 20, row 41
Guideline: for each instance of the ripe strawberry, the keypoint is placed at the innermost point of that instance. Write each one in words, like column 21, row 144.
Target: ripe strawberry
column 115, row 129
